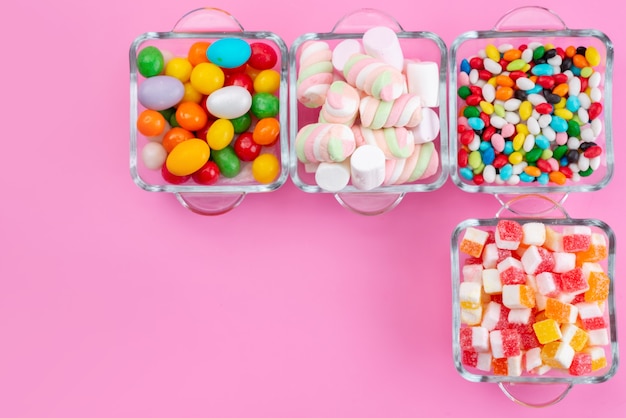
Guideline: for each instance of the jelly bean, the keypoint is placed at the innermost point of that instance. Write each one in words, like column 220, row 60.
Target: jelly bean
column 187, row 157
column 465, row 66
column 544, row 166
column 267, row 81
column 488, row 155
column 208, row 174
column 197, row 52
column 179, row 68
column 241, row 80
column 557, row 177
column 153, row 155
column 266, row 131
column 160, row 92
column 229, row 52
column 593, row 151
column 542, row 142
column 595, row 109
column 586, row 72
column 542, row 69
column 262, row 56
column 476, row 123
column 150, row 123
column 207, row 77
column 471, row 112
column 227, row 161
column 242, row 123
column 174, row 137
column 533, row 155
column 150, row 61
column 558, row 124
column 586, row 173
column 220, row 134
column 229, row 102
column 532, row 171
column 265, row 168
column 245, row 147
column 526, row 178
column 543, row 178
column 563, row 114
column 264, row 105
column 516, row 157
column 464, row 92
column 171, row 178
column 573, row 128
column 572, row 104
column 466, row 173
column 506, row 172
column 191, row 116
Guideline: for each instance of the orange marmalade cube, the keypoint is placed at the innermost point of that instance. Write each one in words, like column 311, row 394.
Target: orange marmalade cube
column 598, row 287
column 473, row 242
column 597, row 250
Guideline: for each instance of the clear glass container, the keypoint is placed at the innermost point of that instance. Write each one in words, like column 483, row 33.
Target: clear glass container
column 424, row 46
column 209, row 25
column 534, row 390
column 522, row 27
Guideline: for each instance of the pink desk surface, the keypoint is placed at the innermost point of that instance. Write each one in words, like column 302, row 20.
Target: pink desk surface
column 116, row 302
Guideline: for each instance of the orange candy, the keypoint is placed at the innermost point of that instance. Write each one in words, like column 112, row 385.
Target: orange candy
column 512, row 55
column 580, row 61
column 191, row 116
column 174, row 137
column 266, row 131
column 504, row 93
column 151, row 123
column 557, row 177
column 197, row 53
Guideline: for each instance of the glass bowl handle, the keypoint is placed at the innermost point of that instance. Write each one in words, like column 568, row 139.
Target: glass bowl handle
column 530, row 18
column 532, row 205
column 210, row 204
column 363, row 19
column 505, row 387
column 208, row 19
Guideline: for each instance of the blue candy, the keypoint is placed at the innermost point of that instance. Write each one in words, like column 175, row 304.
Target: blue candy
column 508, row 148
column 542, row 69
column 466, row 173
column 484, row 145
column 542, row 142
column 488, row 156
column 534, row 90
column 229, row 52
column 563, row 162
column 526, row 178
column 506, row 171
column 558, row 124
column 465, row 66
column 572, row 104
column 575, row 70
column 543, row 178
column 476, row 123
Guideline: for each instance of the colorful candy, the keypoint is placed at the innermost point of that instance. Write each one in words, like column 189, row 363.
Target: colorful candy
column 534, row 105
column 530, row 311
column 207, row 113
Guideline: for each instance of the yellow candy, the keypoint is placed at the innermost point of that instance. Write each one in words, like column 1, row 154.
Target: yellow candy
column 557, row 355
column 220, row 134
column 516, row 157
column 493, row 81
column 267, row 81
column 525, row 110
column 207, row 77
column 574, row 336
column 593, row 56
column 561, row 104
column 598, row 357
column 518, row 141
column 179, row 68
column 499, row 110
column 191, row 94
column 265, row 168
column 486, row 107
column 187, row 157
column 521, row 128
column 564, row 113
column 547, row 331
column 526, row 68
column 492, row 52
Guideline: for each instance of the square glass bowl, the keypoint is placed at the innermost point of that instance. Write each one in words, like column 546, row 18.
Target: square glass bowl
column 537, row 379
column 484, row 162
column 209, row 25
column 416, row 46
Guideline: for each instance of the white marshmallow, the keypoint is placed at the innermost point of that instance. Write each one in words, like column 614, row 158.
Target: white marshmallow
column 519, row 316
column 382, row 42
column 344, row 50
column 367, row 167
column 472, row 316
column 497, row 348
column 333, row 177
column 484, row 361
column 598, row 337
column 547, row 284
column 490, row 256
column 470, row 294
column 423, row 80
column 514, row 365
column 480, row 339
column 428, row 129
column 564, row 262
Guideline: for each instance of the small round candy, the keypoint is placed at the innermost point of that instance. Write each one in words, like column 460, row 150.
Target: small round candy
column 229, row 52
column 267, row 81
column 227, row 161
column 265, row 168
column 220, row 134
column 266, row 131
column 150, row 123
column 197, row 53
column 191, row 94
column 245, row 147
column 240, row 79
column 191, row 116
column 264, row 105
column 263, row 56
column 187, row 157
column 172, row 178
column 242, row 123
column 160, row 92
column 150, row 61
column 153, row 155
column 229, row 102
column 179, row 68
column 174, row 137
column 208, row 174
column 207, row 77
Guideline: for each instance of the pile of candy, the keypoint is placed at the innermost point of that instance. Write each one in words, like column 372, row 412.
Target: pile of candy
column 533, row 298
column 376, row 122
column 210, row 112
column 529, row 113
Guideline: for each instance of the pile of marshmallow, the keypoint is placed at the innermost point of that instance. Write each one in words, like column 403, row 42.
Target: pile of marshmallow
column 377, row 121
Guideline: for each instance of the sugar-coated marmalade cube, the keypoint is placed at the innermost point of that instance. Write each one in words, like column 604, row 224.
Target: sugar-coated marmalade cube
column 598, row 358
column 563, row 313
column 591, row 316
column 563, row 262
column 473, row 241
column 511, row 271
column 520, row 316
column 576, row 238
column 514, row 365
column 599, row 284
column 588, row 268
column 532, row 359
column 500, row 366
column 474, row 338
column 491, row 281
column 534, row 233
column 504, row 343
column 484, row 361
column 518, row 296
column 581, row 364
column 469, row 358
column 554, row 240
column 470, row 294
column 598, row 337
column 574, row 336
column 492, row 316
column 597, row 250
column 537, row 260
column 508, row 234
column 547, row 331
column 528, row 339
column 548, row 283
column 573, row 282
column 492, row 255
column 472, row 316
column 472, row 272
column 557, row 354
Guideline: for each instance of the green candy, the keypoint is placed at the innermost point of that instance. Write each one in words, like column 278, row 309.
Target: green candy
column 586, row 173
column 172, row 120
column 538, row 52
column 150, row 61
column 227, row 161
column 546, row 154
column 264, row 105
column 479, row 169
column 573, row 128
column 464, row 92
column 533, row 155
column 167, row 113
column 559, row 152
column 242, row 123
column 586, row 72
column 516, row 65
column 471, row 112
column 474, row 159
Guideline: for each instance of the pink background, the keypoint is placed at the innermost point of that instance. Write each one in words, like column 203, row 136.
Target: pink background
column 116, row 302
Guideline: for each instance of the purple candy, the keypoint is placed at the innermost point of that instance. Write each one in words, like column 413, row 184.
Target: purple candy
column 160, row 92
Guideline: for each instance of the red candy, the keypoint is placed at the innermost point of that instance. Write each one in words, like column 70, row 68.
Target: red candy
column 469, row 358
column 544, row 108
column 545, row 81
column 463, row 157
column 594, row 110
column 263, row 56
column 473, row 100
column 245, row 147
column 593, row 151
column 581, row 364
column 209, row 173
column 510, row 342
column 476, row 63
column 573, row 281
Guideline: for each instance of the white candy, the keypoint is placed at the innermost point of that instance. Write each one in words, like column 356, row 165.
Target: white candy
column 475, row 144
column 505, row 47
column 512, row 104
column 484, row 361
column 573, row 142
column 491, row 316
column 423, row 80
column 574, row 86
column 595, row 94
column 343, row 51
column 586, row 134
column 513, row 180
column 519, row 167
column 492, row 284
column 472, row 273
column 473, row 76
column 489, row 174
column 585, row 101
column 527, row 55
column 536, row 99
column 544, row 121
column 598, row 337
column 564, row 262
column 470, row 292
column 596, row 127
column 471, row 316
column 549, row 133
column 583, row 162
column 514, row 365
column 489, row 93
column 533, row 359
column 153, row 155
column 547, row 283
column 534, row 233
column 524, row 83
column 564, row 355
column 529, row 142
column 583, row 115
column 428, row 129
column 519, row 316
column 533, row 126
column 367, row 167
column 595, row 162
column 333, row 177
column 382, row 42
column 497, row 348
column 595, row 79
column 556, row 62
column 480, row 339
column 512, row 117
column 497, row 121
column 492, row 66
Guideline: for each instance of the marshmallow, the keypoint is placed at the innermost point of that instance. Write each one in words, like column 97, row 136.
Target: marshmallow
column 554, row 240
column 344, row 50
column 367, row 167
column 598, row 337
column 518, row 296
column 472, row 273
column 598, row 357
column 491, row 281
column 548, row 284
column 405, row 111
column 491, row 316
column 514, row 365
column 324, row 142
column 508, row 234
column 423, row 80
column 333, row 177
column 557, row 354
column 537, row 260
column 374, row 77
column 533, row 359
column 473, row 241
column 472, row 316
column 484, row 361
column 428, row 129
column 470, row 294
column 474, row 338
column 315, row 73
column 504, row 343
column 394, row 142
column 341, row 104
column 534, row 233
column 382, row 42
column 574, row 336
column 563, row 262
